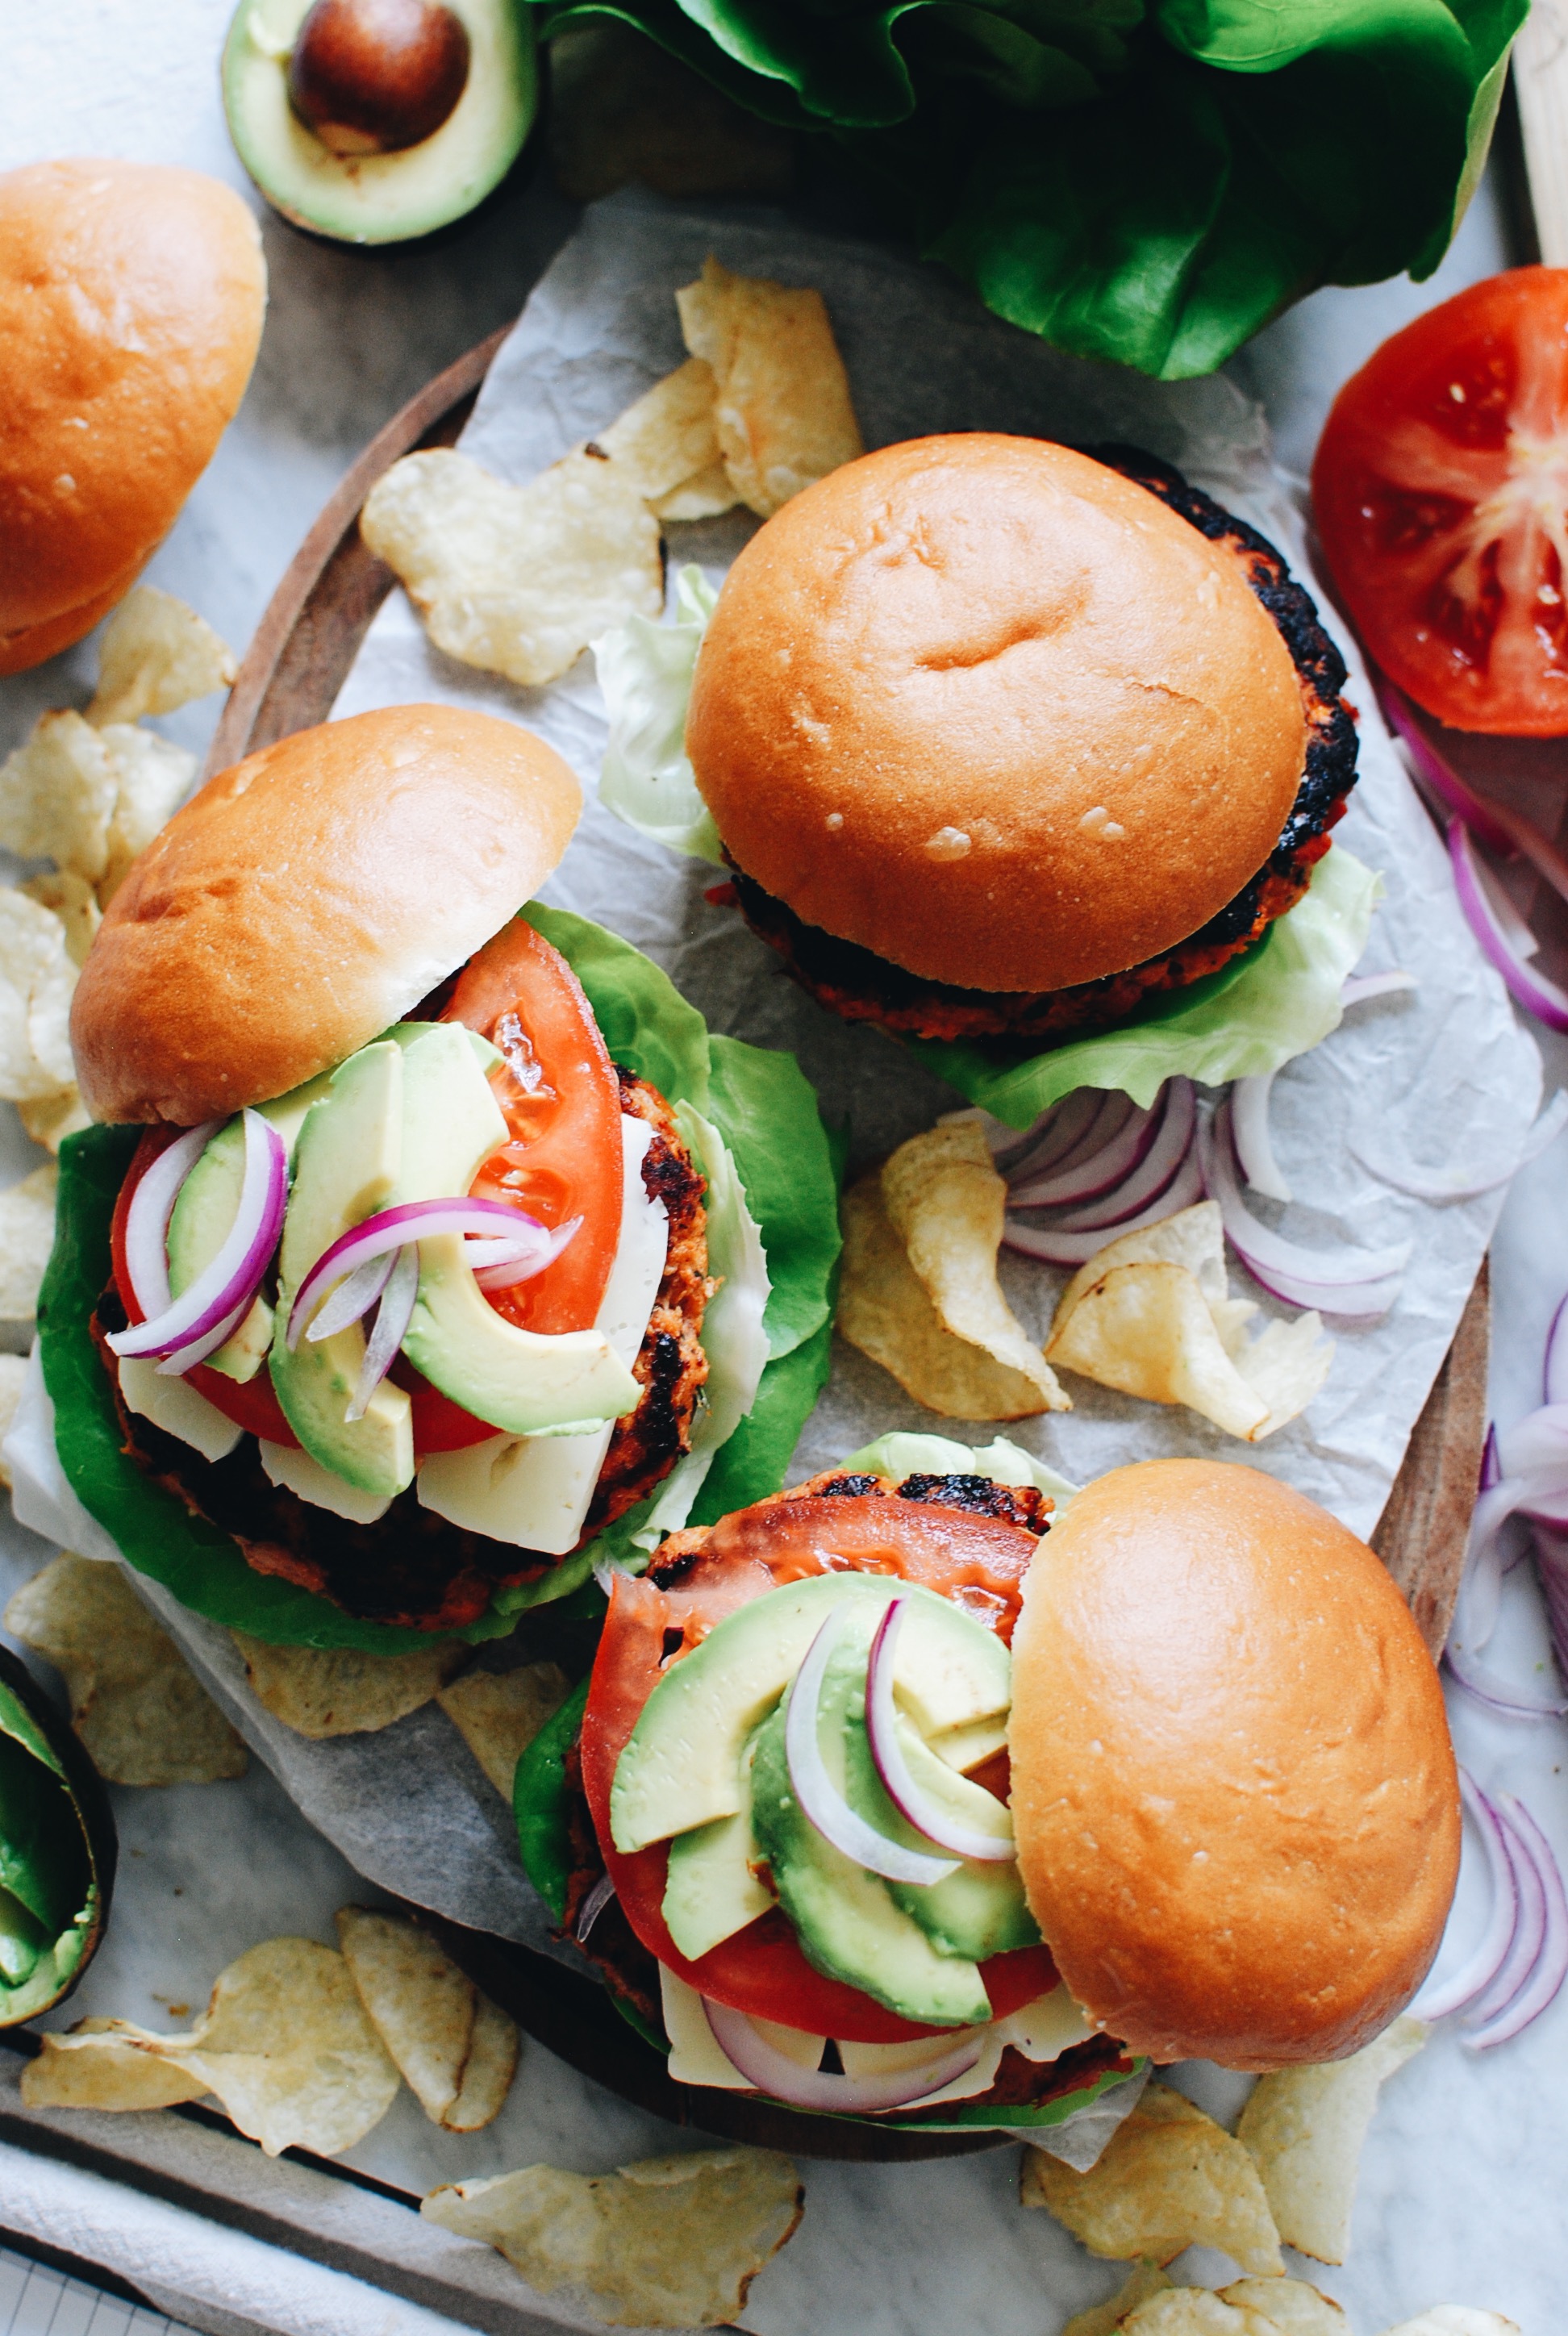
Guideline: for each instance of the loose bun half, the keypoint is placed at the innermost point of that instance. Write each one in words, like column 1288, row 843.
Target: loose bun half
column 1233, row 1789
column 305, row 899
column 131, row 297
column 990, row 710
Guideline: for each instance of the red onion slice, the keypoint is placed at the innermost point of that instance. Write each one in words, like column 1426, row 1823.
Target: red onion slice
column 1545, row 1131
column 391, row 1327
column 593, row 1906
column 147, row 1220
column 1254, row 1145
column 506, row 1275
column 1256, row 1246
column 1529, row 1929
column 353, row 1298
column 225, row 1288
column 913, row 1805
column 1360, row 986
column 1555, row 1370
column 1534, row 992
column 773, row 2072
column 1052, row 1136
column 1486, row 1958
column 1348, row 1301
column 1153, row 1177
column 1541, row 1987
column 1077, row 1248
column 1493, row 825
column 822, row 1803
column 411, row 1221
column 1085, row 1175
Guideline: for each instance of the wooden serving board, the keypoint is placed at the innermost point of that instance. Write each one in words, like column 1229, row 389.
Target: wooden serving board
column 291, row 675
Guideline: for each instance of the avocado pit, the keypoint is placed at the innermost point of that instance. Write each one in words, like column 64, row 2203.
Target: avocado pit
column 377, row 76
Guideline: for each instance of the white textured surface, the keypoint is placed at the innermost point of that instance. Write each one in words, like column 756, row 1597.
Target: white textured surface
column 1461, row 2187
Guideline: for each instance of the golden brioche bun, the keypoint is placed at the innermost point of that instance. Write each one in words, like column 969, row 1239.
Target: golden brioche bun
column 990, row 710
column 308, row 899
column 1234, row 1795
column 130, row 304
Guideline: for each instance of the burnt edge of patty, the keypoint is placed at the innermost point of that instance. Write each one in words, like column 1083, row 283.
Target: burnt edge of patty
column 1011, row 1505
column 412, row 1568
column 862, row 987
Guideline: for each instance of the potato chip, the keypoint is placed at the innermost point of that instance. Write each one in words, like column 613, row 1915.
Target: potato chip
column 26, row 1238
column 156, row 656
column 487, row 2075
column 284, row 2044
column 670, row 2243
column 50, row 1119
column 517, row 580
column 36, row 980
column 1250, row 2307
column 73, row 899
column 783, row 415
column 703, row 496
column 151, row 779
column 135, row 1703
column 57, row 796
column 1104, row 2318
column 1455, row 2319
column 946, row 1203
column 426, row 2013
column 668, row 436
column 883, row 1310
column 1305, row 2129
column 1169, row 2178
column 12, row 1379
column 499, row 1713
column 322, row 1691
column 1150, row 1316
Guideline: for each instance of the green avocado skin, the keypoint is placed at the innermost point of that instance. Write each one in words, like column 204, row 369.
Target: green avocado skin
column 57, row 1851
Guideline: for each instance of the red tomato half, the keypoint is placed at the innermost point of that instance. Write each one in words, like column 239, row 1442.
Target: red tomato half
column 762, row 1970
column 563, row 1159
column 1441, row 492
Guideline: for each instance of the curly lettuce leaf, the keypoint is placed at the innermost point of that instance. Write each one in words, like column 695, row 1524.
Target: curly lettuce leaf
column 1143, row 183
column 1279, row 999
column 767, row 1117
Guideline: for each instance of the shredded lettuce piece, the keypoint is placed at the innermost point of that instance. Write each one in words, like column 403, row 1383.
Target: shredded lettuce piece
column 645, row 670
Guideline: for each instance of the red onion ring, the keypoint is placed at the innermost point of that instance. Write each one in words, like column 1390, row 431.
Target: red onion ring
column 1541, row 1987
column 822, row 1803
column 773, row 2072
column 1254, row 1145
column 1348, row 1270
column 1491, row 823
column 1053, row 1135
column 1528, row 1934
column 354, row 1297
column 1555, row 1368
column 593, row 1906
column 197, row 1322
column 1545, row 1131
column 505, row 1275
column 147, row 1219
column 1534, row 992
column 390, row 1328
column 411, row 1221
column 1151, row 1179
column 887, row 1752
column 1485, row 1959
column 1360, row 986
column 1077, row 1248
column 1097, row 1171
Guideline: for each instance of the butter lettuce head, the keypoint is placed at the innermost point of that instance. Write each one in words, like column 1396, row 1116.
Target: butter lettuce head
column 1279, row 999
column 762, row 1114
column 1146, row 182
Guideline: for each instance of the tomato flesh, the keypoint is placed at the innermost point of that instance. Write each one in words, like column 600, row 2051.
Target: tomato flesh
column 1441, row 494
column 562, row 1158
column 762, row 1970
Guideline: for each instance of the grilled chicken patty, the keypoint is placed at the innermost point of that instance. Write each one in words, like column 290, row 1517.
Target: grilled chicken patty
column 411, row 1567
column 862, row 987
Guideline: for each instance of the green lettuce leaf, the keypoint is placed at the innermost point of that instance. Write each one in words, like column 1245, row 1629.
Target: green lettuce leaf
column 766, row 1114
column 1279, row 999
column 1143, row 183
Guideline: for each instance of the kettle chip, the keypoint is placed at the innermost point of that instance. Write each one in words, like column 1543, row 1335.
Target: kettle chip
column 1305, row 2129
column 454, row 2050
column 322, row 1691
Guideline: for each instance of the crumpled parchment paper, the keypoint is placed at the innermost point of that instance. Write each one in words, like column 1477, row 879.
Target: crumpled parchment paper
column 1445, row 1079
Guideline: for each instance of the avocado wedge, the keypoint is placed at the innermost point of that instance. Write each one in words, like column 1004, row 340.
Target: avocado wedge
column 371, row 197
column 57, row 1851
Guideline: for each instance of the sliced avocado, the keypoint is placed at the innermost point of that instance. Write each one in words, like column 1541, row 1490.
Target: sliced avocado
column 711, row 1892
column 57, row 1850
column 204, row 1212
column 682, row 1764
column 516, row 1379
column 846, row 1919
column 380, row 198
column 346, row 1163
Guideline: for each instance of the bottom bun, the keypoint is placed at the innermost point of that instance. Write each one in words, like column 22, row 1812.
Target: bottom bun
column 21, row 651
column 1233, row 1790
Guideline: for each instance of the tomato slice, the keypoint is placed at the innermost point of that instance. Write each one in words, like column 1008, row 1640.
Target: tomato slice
column 1440, row 488
column 561, row 1101
column 762, row 1970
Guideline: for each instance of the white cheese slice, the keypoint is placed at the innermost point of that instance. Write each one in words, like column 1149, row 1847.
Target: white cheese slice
column 286, row 1465
column 696, row 2055
column 176, row 1407
column 534, row 1490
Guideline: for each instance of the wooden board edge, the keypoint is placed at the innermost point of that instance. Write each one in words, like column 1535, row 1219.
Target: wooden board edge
column 1422, row 1533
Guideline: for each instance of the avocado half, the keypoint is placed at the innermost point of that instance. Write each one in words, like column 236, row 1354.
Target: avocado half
column 380, row 198
column 57, row 1850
